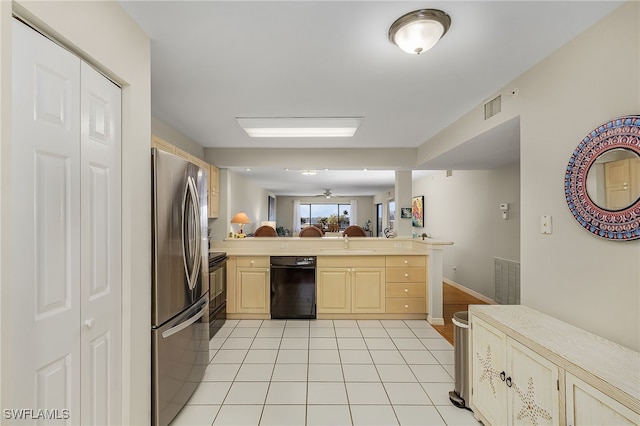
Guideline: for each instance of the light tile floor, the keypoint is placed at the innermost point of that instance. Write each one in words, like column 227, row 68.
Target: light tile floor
column 326, row 373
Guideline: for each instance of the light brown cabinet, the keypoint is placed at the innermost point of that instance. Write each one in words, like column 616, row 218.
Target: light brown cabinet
column 213, row 173
column 214, row 191
column 248, row 285
column 353, row 284
column 406, row 284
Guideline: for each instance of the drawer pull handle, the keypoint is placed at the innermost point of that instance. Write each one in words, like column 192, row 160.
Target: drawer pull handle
column 503, row 375
column 406, row 290
column 406, row 306
column 252, row 262
column 406, row 261
column 509, row 383
column 406, row 275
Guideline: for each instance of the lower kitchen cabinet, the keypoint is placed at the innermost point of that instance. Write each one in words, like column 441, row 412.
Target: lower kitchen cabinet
column 511, row 384
column 334, row 290
column 353, row 284
column 406, row 288
column 368, row 290
column 529, row 368
column 248, row 285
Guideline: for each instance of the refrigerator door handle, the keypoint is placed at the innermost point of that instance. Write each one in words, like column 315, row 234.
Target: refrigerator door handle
column 191, row 255
column 187, row 323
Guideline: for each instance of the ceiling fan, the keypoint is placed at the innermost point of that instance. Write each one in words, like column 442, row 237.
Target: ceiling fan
column 327, row 194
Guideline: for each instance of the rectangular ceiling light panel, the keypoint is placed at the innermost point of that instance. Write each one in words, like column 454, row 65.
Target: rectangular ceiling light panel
column 276, row 127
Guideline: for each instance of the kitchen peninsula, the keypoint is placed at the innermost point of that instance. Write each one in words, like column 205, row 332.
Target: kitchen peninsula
column 357, row 278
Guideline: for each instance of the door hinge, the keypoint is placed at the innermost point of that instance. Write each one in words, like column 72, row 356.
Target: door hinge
column 558, row 384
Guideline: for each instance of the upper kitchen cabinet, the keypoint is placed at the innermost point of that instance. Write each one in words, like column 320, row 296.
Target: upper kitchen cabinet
column 162, row 145
column 214, row 191
column 213, row 181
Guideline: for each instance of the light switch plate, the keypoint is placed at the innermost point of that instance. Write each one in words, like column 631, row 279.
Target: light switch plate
column 545, row 224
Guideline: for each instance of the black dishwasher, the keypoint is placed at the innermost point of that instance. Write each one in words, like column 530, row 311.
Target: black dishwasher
column 293, row 287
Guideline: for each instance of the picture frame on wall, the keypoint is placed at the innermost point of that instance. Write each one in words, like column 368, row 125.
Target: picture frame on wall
column 417, row 211
column 405, row 213
column 271, row 201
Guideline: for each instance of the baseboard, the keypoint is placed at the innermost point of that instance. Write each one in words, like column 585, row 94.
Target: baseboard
column 475, row 294
column 435, row 321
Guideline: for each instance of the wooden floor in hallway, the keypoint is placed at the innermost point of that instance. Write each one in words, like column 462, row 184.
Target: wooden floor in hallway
column 453, row 300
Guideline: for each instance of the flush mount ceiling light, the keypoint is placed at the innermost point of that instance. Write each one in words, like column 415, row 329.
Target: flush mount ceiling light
column 299, row 127
column 420, row 30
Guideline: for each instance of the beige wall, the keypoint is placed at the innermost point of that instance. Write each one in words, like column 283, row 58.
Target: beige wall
column 570, row 274
column 87, row 28
column 465, row 208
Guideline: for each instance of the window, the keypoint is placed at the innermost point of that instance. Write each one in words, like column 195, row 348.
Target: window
column 326, row 214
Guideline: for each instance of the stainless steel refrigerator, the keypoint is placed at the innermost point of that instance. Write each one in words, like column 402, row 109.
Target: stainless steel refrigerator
column 180, row 283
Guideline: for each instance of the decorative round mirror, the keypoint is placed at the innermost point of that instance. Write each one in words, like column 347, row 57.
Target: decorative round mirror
column 602, row 181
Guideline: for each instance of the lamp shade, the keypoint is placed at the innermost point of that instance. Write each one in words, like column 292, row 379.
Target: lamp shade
column 241, row 217
column 419, row 31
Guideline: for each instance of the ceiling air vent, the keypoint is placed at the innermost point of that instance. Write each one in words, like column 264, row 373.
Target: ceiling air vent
column 492, row 107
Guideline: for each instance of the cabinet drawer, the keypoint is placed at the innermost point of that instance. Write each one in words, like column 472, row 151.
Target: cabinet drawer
column 406, row 275
column 257, row 262
column 406, row 290
column 410, row 305
column 406, row 261
column 350, row 261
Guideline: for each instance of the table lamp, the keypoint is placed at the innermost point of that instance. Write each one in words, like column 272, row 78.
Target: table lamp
column 241, row 219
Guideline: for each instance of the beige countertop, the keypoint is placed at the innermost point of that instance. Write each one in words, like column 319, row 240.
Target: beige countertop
column 330, row 246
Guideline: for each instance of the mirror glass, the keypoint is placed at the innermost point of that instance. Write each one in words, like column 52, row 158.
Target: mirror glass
column 613, row 180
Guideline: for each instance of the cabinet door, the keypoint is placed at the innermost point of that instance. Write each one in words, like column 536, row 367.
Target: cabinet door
column 533, row 382
column 252, row 291
column 617, row 179
column 214, row 191
column 334, row 290
column 368, row 290
column 588, row 406
column 489, row 393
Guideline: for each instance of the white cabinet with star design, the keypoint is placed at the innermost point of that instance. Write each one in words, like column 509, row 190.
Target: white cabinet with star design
column 511, row 384
column 529, row 368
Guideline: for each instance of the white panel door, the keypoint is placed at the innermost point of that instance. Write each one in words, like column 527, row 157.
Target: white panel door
column 101, row 242
column 66, row 215
column 45, row 185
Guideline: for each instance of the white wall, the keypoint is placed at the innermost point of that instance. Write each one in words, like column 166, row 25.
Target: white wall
column 87, row 28
column 169, row 134
column 464, row 208
column 572, row 275
column 284, row 208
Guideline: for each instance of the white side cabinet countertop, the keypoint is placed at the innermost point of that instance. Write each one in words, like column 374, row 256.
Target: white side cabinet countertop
column 528, row 366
